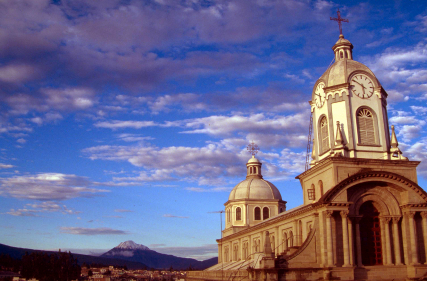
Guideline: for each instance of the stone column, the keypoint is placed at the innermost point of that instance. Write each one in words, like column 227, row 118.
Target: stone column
column 350, row 240
column 387, row 240
column 413, row 237
column 345, row 238
column 424, row 216
column 396, row 241
column 383, row 242
column 277, row 242
column 358, row 244
column 329, row 238
column 322, row 239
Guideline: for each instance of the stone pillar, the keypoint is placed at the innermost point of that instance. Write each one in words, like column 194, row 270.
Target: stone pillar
column 358, row 244
column 396, row 241
column 277, row 242
column 383, row 242
column 350, row 240
column 329, row 238
column 412, row 232
column 322, row 239
column 345, row 238
column 424, row 216
column 387, row 240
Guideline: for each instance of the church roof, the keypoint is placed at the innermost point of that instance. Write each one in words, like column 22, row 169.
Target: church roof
column 254, row 188
column 344, row 66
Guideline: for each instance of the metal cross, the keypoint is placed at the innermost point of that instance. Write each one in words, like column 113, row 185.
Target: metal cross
column 253, row 148
column 339, row 20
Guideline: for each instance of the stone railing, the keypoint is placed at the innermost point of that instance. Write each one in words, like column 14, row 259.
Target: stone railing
column 218, row 275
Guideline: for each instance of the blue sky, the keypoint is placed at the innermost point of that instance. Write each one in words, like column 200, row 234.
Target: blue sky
column 129, row 120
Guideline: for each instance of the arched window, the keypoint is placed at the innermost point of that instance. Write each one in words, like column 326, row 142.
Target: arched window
column 238, row 214
column 265, row 213
column 291, row 239
column 273, row 243
column 365, row 124
column 321, row 188
column 311, row 193
column 285, row 241
column 341, row 55
column 324, row 135
column 257, row 213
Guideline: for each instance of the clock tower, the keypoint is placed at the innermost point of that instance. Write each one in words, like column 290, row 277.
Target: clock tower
column 349, row 108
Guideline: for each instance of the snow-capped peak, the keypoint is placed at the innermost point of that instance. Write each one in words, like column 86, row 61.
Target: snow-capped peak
column 130, row 245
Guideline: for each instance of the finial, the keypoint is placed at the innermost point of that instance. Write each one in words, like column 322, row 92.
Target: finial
column 394, row 142
column 396, row 153
column 253, row 148
column 339, row 140
column 339, row 20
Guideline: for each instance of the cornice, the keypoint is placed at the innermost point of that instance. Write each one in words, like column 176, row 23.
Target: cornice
column 336, row 87
column 377, row 162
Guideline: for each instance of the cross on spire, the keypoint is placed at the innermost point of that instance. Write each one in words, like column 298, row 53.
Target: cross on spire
column 253, row 148
column 339, row 20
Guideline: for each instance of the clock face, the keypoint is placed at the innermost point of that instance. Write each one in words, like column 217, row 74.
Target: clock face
column 320, row 95
column 362, row 86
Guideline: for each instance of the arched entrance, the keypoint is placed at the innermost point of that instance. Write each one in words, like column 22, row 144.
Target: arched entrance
column 370, row 234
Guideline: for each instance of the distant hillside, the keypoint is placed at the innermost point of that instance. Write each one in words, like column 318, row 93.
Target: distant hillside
column 17, row 253
column 131, row 251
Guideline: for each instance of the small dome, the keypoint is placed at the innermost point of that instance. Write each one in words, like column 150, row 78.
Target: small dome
column 253, row 160
column 254, row 188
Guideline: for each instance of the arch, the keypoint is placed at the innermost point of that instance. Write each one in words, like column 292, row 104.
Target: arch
column 378, row 176
column 238, row 214
column 250, row 170
column 367, row 126
column 257, row 213
column 341, row 53
column 265, row 213
column 323, row 135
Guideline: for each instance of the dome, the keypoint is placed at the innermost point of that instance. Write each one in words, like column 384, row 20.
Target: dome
column 255, row 188
column 253, row 160
column 341, row 70
column 344, row 67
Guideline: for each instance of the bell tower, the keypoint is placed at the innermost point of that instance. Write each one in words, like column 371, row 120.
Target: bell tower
column 349, row 108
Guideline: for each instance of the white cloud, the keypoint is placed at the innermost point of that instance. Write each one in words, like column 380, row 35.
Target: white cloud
column 199, row 252
column 47, row 186
column 174, row 216
column 117, row 124
column 36, row 209
column 92, row 231
column 6, row 166
column 17, row 73
column 64, row 99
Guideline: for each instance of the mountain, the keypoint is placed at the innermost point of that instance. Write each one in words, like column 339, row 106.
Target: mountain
column 131, row 251
column 17, row 253
column 130, row 245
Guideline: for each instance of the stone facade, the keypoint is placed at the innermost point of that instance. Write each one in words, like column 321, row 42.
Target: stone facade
column 364, row 217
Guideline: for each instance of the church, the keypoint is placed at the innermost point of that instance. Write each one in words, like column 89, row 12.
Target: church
column 364, row 216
